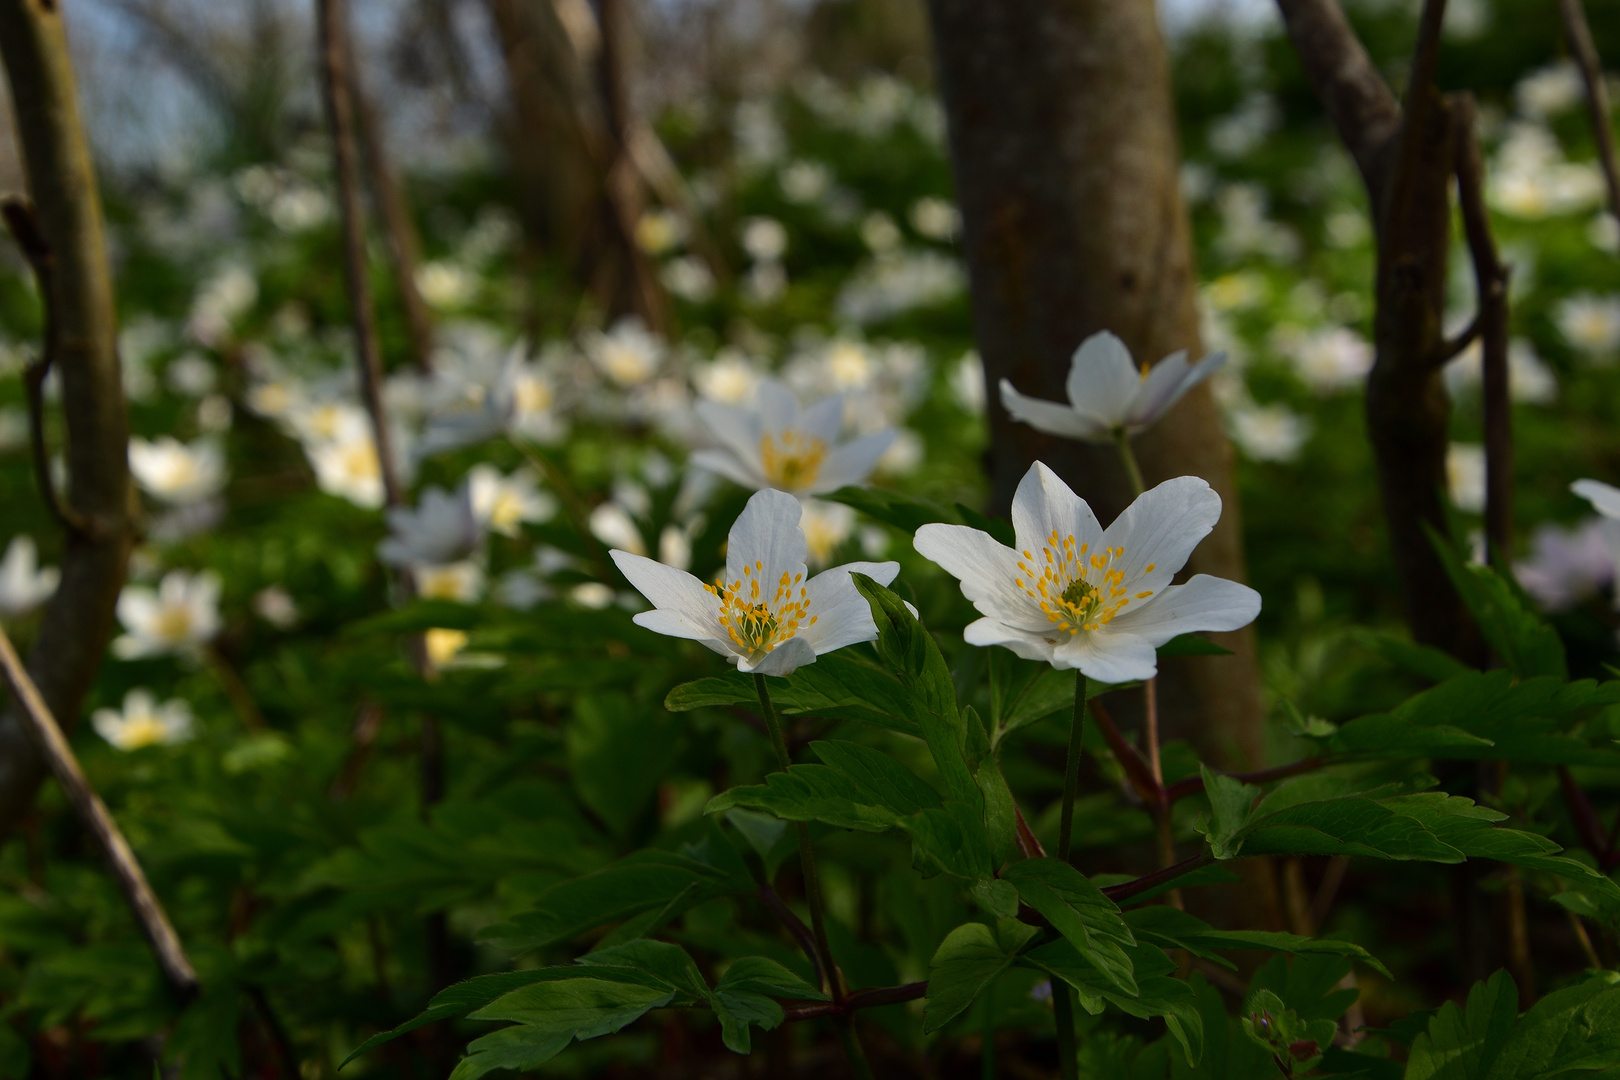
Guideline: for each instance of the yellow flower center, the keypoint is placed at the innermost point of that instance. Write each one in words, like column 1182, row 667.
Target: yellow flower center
column 791, row 460
column 141, row 730
column 756, row 625
column 1077, row 589
column 173, row 624
column 443, row 645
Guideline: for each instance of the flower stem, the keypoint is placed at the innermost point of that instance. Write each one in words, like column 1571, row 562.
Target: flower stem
column 1062, row 996
column 833, row 978
column 1127, row 457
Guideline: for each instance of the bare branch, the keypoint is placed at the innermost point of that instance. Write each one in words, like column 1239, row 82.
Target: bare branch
column 1453, row 348
column 1579, row 37
column 1491, row 286
column 61, row 179
column 143, row 903
column 1358, row 101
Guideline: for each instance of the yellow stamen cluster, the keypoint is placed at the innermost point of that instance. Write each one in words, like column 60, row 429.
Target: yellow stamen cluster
column 791, row 460
column 757, row 626
column 1077, row 589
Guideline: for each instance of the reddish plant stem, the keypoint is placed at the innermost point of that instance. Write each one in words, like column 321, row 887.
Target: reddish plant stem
column 1136, row 767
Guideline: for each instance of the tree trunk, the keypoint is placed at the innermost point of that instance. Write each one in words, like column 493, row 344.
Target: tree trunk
column 82, row 343
column 1063, row 140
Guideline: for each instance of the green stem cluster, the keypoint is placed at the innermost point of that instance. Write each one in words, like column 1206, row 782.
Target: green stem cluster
column 1062, row 996
column 833, row 982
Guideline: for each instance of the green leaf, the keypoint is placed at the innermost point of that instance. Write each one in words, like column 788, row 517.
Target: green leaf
column 1000, row 811
column 461, row 999
column 1230, row 801
column 966, row 962
column 669, row 964
column 1568, row 1031
column 646, row 881
column 905, row 645
column 1169, row 928
column 592, row 1003
column 1294, row 1042
column 1526, row 644
column 519, row 1047
column 952, row 838
column 839, row 686
column 878, row 774
column 1424, row 661
column 859, row 788
column 1156, row 993
column 1463, row 1045
column 1079, row 911
column 618, row 754
column 745, row 995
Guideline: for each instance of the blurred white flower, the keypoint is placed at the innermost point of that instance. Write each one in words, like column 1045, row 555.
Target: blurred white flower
column 764, row 239
column 214, row 414
column 1238, row 291
column 675, row 547
column 805, row 181
column 936, row 219
column 462, row 581
column 1246, row 127
column 348, row 468
column 1550, row 90
column 191, row 375
column 1328, row 360
column 143, row 722
column 1247, row 230
column 879, row 233
column 904, row 455
column 223, row 299
column 899, row 281
column 504, row 503
column 628, row 354
column 612, row 524
column 1591, row 324
column 1267, row 432
column 660, row 231
column 1529, row 177
column 1465, row 476
column 689, row 278
column 276, row 606
column 592, row 594
column 445, row 285
column 178, row 474
column 1567, row 565
column 967, row 383
column 181, row 615
column 1604, row 233
column 730, row 378
column 24, row 584
column 764, row 282
column 826, row 526
column 779, row 444
column 443, row 527
column 13, row 428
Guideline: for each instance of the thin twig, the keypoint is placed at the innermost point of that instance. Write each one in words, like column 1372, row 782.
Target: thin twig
column 1127, row 889
column 1029, row 845
column 859, row 999
column 1491, row 287
column 1585, row 940
column 1584, row 816
column 1136, row 767
column 1578, row 35
column 23, row 223
column 1450, row 350
column 126, row 869
column 801, row 933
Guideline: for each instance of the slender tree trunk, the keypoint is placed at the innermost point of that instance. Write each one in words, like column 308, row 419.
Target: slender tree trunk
column 1063, row 140
column 82, row 344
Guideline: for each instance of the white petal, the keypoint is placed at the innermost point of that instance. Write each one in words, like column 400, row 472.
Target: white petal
column 778, row 405
column 1109, row 656
column 1042, row 505
column 673, row 624
column 986, row 570
column 1049, row 416
column 766, row 540
column 1160, row 392
column 824, row 420
column 738, row 430
column 782, row 660
column 1160, row 529
column 842, row 614
column 1103, row 380
column 1204, row 603
column 1605, row 498
column 986, row 632
column 853, row 462
column 672, row 590
column 137, row 607
column 724, row 463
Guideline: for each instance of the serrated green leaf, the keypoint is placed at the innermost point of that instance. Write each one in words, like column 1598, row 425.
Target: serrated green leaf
column 1568, row 1032
column 1156, row 993
column 1169, row 928
column 952, row 838
column 596, row 1001
column 811, row 793
column 745, row 994
column 966, row 962
column 839, row 686
column 1463, row 1044
column 1079, row 911
column 519, row 1047
column 1515, row 632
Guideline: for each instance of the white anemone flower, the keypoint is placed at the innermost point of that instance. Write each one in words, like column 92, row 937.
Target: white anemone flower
column 1605, row 498
column 349, row 468
column 143, row 722
column 1108, row 395
column 629, row 353
column 443, row 527
column 180, row 615
column 179, row 475
column 461, row 581
column 762, row 615
column 779, row 444
column 504, row 503
column 24, row 584
column 1078, row 596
